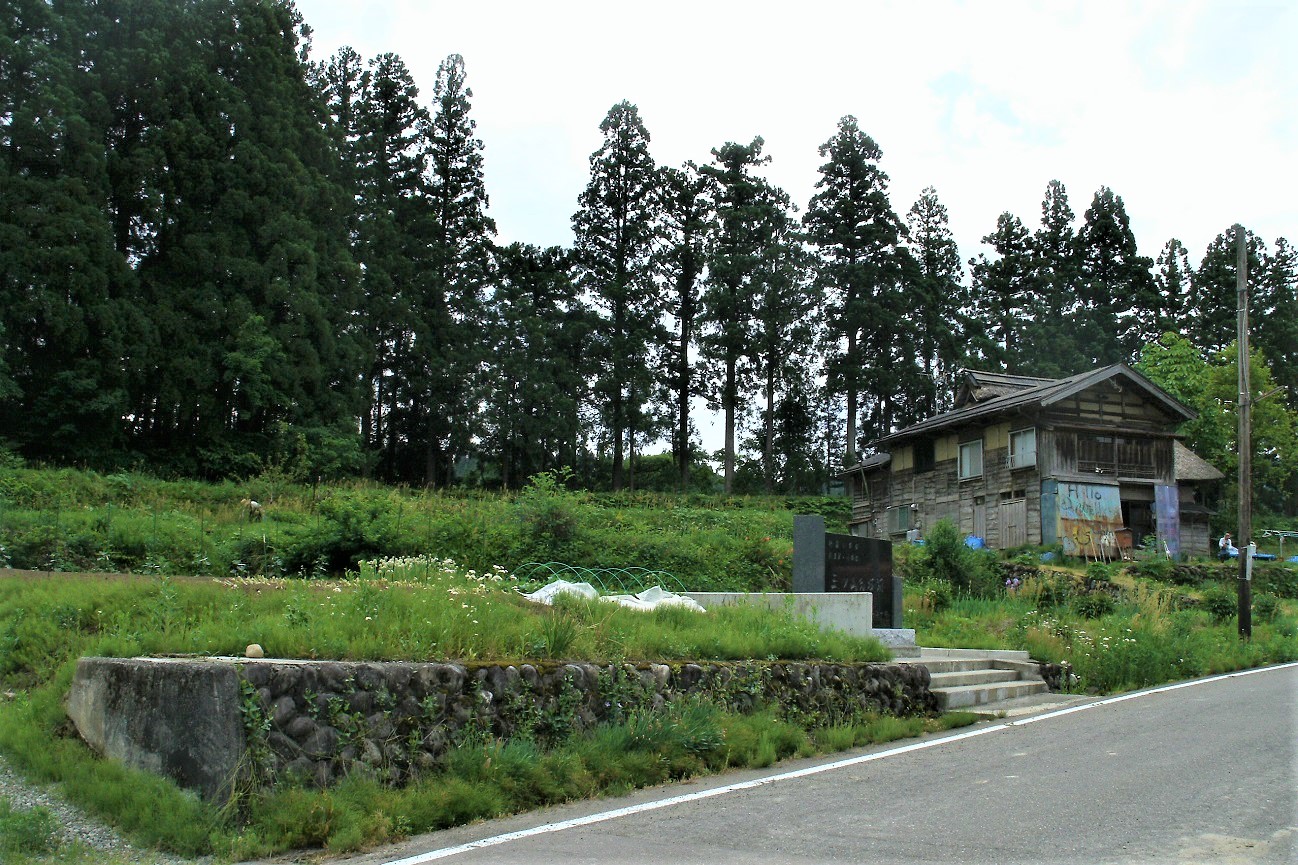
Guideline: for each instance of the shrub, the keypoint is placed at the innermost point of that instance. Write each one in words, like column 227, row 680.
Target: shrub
column 1048, row 590
column 1221, row 603
column 34, row 831
column 946, row 557
column 1265, row 607
column 549, row 514
column 933, row 597
column 1093, row 605
column 1098, row 572
column 1155, row 568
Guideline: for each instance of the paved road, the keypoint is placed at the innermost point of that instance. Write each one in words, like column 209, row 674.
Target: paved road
column 1205, row 773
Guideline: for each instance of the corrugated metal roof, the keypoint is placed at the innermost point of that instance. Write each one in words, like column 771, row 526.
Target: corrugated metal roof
column 871, row 462
column 1038, row 396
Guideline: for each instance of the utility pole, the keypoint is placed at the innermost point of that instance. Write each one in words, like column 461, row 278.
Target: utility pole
column 1245, row 542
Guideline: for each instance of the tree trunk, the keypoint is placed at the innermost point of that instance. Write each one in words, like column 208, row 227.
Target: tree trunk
column 849, row 458
column 729, row 399
column 617, row 440
column 768, row 450
column 683, row 419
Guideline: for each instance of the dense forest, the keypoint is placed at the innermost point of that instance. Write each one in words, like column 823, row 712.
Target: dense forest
column 220, row 255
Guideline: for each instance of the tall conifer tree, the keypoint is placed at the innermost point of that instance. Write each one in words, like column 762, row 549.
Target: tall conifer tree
column 741, row 237
column 942, row 301
column 68, row 314
column 858, row 238
column 682, row 258
column 1054, row 344
column 383, row 134
column 1172, row 275
column 538, row 329
column 1276, row 290
column 1211, row 315
column 1117, row 288
column 448, row 345
column 1003, row 295
column 615, row 229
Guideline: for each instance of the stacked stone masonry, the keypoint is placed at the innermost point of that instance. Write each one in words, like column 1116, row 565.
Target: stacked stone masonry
column 319, row 721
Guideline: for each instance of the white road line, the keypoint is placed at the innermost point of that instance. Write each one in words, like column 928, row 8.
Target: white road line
column 617, row 813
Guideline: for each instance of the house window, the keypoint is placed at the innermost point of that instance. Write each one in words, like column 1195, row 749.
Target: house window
column 1114, row 455
column 1023, row 448
column 924, row 461
column 899, row 520
column 971, row 459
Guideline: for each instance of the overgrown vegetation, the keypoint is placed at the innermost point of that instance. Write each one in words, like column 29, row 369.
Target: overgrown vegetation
column 68, row 520
column 1114, row 627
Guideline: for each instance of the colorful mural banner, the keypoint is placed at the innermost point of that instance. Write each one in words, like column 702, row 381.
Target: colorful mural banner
column 1089, row 516
column 1167, row 514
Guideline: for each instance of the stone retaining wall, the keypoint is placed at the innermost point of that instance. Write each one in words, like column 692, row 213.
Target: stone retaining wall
column 318, row 721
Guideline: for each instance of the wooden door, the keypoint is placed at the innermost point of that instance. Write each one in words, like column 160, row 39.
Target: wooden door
column 1014, row 523
column 980, row 520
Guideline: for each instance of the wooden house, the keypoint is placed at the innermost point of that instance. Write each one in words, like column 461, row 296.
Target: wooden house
column 1092, row 462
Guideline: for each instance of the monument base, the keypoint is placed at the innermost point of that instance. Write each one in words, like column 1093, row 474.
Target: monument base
column 900, row 640
column 849, row 612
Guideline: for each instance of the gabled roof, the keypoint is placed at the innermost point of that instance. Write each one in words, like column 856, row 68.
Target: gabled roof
column 980, row 386
column 1037, row 396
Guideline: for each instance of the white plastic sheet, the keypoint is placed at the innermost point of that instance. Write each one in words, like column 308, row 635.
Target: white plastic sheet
column 649, row 599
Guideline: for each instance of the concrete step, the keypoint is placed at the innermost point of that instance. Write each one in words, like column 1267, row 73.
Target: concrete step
column 956, row 678
column 1025, row 669
column 927, row 654
column 967, row 678
column 953, row 665
column 967, row 696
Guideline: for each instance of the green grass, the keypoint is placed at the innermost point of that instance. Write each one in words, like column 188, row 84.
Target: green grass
column 416, row 609
column 412, row 603
column 1145, row 640
column 30, row 836
column 27, row 832
column 411, row 609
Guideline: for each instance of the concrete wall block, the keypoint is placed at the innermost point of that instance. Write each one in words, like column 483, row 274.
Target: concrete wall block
column 170, row 717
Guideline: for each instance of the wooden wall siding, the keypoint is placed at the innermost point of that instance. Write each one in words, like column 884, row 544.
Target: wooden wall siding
column 946, row 448
column 1195, row 539
column 937, row 494
column 1102, row 405
column 996, row 436
column 903, row 458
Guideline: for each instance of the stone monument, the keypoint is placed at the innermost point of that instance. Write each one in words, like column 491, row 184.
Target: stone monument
column 827, row 562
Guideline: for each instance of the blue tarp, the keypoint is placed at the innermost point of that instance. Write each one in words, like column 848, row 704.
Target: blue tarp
column 1233, row 552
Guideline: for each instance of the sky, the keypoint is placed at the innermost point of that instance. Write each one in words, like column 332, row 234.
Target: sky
column 1185, row 109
